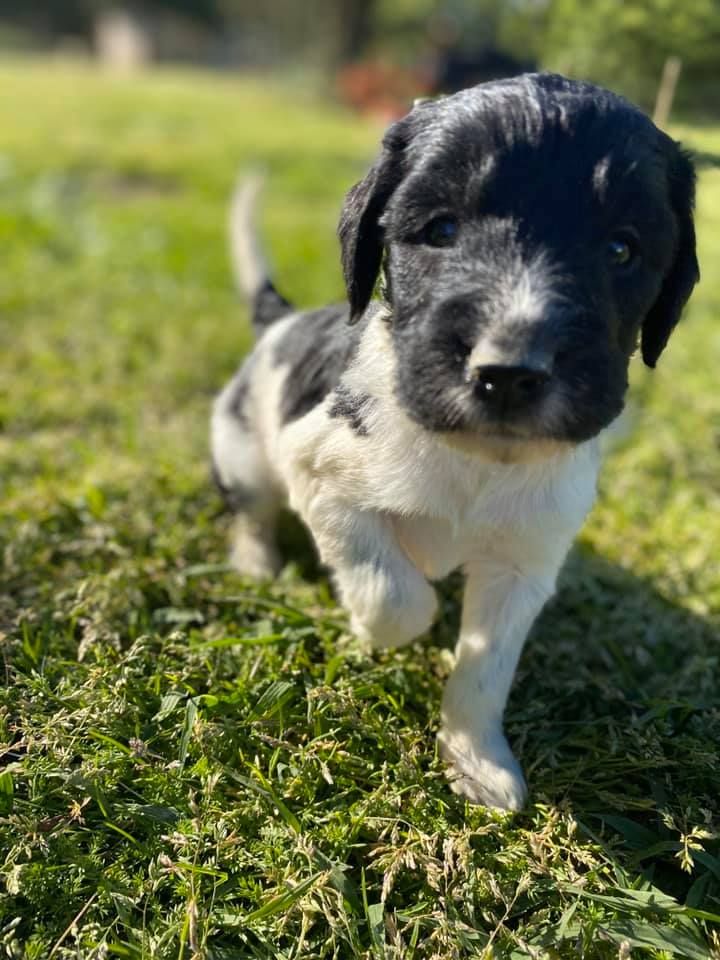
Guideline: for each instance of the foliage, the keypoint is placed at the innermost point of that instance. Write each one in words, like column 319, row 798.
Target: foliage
column 318, row 31
column 197, row 766
column 621, row 44
column 416, row 31
column 70, row 16
column 624, row 45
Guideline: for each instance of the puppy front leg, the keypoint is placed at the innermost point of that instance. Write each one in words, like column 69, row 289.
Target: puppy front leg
column 389, row 600
column 501, row 603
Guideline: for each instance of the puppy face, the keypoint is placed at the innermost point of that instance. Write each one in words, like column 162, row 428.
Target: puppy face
column 531, row 231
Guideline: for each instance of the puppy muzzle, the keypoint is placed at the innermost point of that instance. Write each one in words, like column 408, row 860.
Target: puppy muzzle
column 504, row 389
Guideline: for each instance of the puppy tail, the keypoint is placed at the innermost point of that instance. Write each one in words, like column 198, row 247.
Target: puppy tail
column 248, row 261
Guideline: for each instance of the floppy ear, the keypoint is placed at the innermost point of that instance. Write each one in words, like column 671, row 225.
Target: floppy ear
column 361, row 236
column 684, row 272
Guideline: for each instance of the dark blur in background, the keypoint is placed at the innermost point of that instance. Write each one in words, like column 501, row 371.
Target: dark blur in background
column 379, row 54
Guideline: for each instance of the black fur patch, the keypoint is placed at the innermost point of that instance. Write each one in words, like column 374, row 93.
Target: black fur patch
column 268, row 306
column 241, row 388
column 351, row 407
column 317, row 348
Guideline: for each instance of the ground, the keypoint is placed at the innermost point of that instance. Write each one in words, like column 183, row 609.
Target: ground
column 192, row 765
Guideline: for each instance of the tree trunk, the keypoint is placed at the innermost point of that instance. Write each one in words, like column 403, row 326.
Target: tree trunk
column 356, row 19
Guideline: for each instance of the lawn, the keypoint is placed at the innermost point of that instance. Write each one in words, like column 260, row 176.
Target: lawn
column 194, row 766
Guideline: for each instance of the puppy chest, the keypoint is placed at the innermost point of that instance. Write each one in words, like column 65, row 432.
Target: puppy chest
column 431, row 545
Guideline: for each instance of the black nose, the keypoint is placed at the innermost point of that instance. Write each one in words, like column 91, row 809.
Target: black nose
column 509, row 389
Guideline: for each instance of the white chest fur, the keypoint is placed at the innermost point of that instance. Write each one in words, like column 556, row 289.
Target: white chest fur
column 501, row 510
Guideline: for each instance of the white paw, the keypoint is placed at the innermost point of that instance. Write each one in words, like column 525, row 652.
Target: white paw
column 388, row 618
column 490, row 776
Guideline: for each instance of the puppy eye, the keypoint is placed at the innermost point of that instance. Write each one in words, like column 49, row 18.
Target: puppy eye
column 440, row 232
column 623, row 249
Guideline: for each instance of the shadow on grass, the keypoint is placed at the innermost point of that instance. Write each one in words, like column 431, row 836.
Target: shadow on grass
column 615, row 715
column 615, row 708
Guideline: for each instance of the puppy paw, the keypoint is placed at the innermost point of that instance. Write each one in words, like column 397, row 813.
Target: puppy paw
column 491, row 776
column 392, row 616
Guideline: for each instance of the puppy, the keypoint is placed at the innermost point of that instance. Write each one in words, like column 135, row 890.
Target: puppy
column 529, row 232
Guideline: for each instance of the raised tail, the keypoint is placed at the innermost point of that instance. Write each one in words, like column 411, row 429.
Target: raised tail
column 249, row 265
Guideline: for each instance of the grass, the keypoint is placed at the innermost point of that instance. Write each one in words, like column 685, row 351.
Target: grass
column 195, row 766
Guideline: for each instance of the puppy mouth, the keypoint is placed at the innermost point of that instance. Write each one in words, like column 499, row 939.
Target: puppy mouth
column 502, row 436
column 527, row 425
column 504, row 432
column 510, row 434
column 506, row 443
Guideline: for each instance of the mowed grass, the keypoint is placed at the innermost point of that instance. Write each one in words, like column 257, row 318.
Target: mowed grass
column 192, row 765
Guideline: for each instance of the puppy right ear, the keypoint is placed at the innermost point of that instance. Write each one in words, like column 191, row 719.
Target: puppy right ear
column 361, row 236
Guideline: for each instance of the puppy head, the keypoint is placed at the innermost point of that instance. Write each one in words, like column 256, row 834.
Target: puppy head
column 531, row 231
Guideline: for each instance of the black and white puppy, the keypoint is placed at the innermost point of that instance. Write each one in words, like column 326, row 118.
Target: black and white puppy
column 530, row 232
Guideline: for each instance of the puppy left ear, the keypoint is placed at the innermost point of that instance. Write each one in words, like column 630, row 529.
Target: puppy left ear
column 684, row 272
column 361, row 236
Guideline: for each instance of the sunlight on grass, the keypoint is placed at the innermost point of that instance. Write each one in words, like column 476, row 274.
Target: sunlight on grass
column 193, row 766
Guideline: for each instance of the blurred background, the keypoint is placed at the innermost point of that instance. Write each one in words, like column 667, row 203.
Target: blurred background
column 125, row 125
column 124, row 129
column 378, row 54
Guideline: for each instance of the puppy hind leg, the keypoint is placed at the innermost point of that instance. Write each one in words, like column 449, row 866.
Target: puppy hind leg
column 253, row 552
column 243, row 478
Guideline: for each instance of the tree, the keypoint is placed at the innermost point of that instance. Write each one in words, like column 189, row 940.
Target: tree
column 76, row 17
column 624, row 45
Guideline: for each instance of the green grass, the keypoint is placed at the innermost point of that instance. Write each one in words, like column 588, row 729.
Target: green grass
column 193, row 766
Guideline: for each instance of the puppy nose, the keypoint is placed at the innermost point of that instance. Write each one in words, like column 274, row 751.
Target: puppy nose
column 506, row 389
